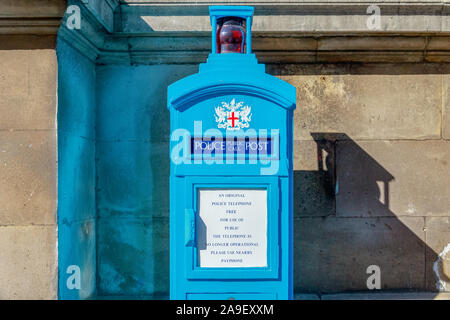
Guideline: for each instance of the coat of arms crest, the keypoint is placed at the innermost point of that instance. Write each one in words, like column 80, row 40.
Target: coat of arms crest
column 233, row 116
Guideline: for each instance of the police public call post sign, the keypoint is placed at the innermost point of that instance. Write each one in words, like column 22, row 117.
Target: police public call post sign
column 231, row 179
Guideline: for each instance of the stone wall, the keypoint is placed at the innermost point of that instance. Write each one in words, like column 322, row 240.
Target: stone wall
column 371, row 175
column 28, row 148
column 76, row 171
column 133, row 168
column 28, row 178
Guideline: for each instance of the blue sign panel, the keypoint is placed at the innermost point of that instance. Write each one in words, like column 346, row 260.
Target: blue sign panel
column 245, row 146
column 231, row 181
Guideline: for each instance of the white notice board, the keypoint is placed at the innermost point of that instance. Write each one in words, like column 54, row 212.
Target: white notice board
column 232, row 228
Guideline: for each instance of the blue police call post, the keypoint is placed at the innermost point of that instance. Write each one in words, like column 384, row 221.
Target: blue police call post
column 231, row 175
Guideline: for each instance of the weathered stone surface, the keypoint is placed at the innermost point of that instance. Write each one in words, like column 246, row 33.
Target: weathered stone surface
column 438, row 43
column 393, row 178
column 27, row 112
column 28, row 262
column 313, row 180
column 306, row 296
column 76, row 171
column 28, row 89
column 76, row 93
column 446, row 106
column 288, row 32
column 133, row 179
column 14, row 80
column 79, row 238
column 27, row 177
column 368, row 43
column 76, row 179
column 136, row 95
column 377, row 295
column 34, row 72
column 140, row 20
column 37, row 8
column 306, row 156
column 27, row 42
column 289, row 16
column 438, row 253
column 104, row 10
column 155, row 48
column 368, row 102
column 43, row 72
column 133, row 256
column 332, row 254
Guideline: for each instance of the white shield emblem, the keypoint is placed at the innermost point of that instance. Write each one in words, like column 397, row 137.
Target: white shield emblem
column 233, row 116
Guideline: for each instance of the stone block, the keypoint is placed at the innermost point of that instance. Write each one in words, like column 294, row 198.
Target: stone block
column 104, row 10
column 290, row 16
column 332, row 254
column 28, row 89
column 438, row 43
column 43, row 73
column 76, row 247
column 438, row 253
column 377, row 295
column 133, row 256
column 76, row 93
column 76, row 179
column 446, row 106
column 133, row 179
column 263, row 43
column 37, row 8
column 28, row 177
column 313, row 179
column 14, row 76
column 306, row 296
column 28, row 73
column 367, row 102
column 26, row 41
column 29, row 113
column 306, row 156
column 393, row 178
column 28, row 262
column 136, row 95
column 368, row 43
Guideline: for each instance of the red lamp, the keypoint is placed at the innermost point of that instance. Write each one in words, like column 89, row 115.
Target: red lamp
column 231, row 35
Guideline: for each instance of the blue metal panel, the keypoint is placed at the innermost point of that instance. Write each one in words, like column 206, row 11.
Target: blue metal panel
column 266, row 112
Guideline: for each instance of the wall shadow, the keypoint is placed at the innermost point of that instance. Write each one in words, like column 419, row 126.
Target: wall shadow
column 349, row 226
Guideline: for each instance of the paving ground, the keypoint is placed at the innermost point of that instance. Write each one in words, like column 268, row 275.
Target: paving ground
column 377, row 296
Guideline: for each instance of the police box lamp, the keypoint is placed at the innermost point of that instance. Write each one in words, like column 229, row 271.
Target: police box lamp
column 232, row 29
column 231, row 172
